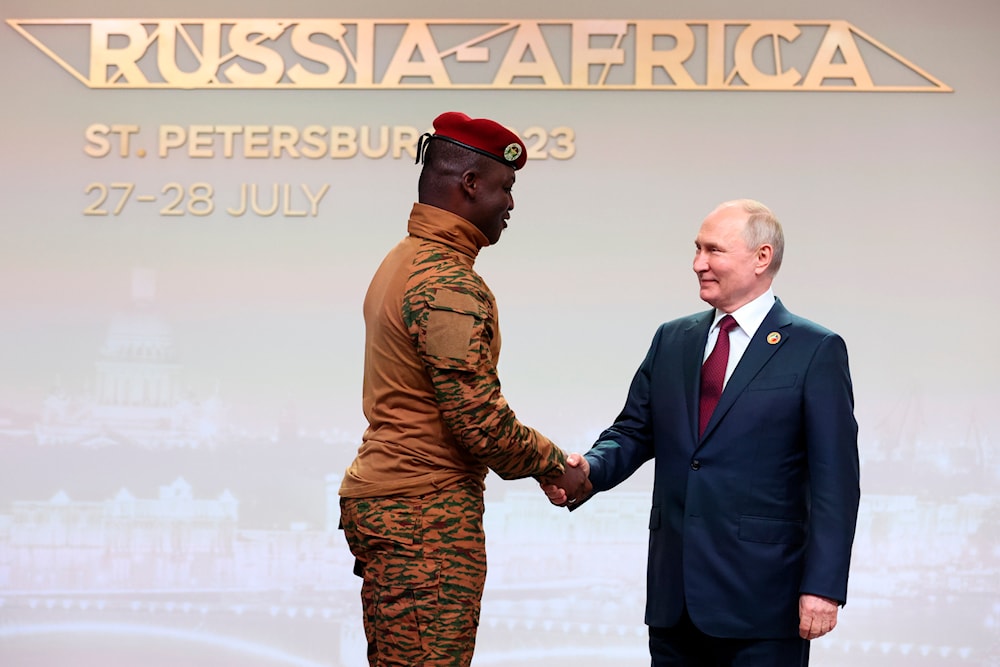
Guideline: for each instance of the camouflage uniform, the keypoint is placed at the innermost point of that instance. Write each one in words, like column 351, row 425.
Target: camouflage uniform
column 412, row 500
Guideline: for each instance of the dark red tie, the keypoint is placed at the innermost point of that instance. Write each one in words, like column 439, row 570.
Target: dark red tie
column 713, row 373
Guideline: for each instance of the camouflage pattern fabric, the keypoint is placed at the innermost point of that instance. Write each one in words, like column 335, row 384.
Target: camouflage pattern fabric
column 412, row 498
column 450, row 314
column 424, row 566
column 431, row 394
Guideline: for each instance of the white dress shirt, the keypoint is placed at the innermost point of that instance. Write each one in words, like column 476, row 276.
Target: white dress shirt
column 748, row 319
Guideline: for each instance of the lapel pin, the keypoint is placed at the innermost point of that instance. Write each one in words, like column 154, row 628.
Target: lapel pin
column 773, row 338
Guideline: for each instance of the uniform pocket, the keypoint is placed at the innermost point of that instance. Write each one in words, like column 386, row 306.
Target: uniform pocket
column 384, row 524
column 407, row 605
column 454, row 331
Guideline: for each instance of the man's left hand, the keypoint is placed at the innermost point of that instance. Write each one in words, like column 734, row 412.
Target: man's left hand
column 817, row 616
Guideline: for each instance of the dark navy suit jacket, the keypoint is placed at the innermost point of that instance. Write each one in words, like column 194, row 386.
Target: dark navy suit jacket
column 763, row 507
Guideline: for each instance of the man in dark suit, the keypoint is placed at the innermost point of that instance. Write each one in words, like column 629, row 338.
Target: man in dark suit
column 755, row 499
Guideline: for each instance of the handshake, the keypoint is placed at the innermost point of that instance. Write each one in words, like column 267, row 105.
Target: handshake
column 572, row 487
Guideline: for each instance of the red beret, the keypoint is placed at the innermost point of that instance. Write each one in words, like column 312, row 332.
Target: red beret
column 483, row 136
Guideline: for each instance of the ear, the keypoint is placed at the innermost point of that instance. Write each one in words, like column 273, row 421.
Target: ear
column 764, row 255
column 469, row 183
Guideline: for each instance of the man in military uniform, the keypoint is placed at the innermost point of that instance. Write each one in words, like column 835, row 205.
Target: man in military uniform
column 412, row 500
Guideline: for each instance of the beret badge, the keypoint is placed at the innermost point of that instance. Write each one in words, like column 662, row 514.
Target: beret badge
column 512, row 152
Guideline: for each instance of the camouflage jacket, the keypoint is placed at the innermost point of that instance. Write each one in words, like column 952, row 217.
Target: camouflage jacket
column 431, row 394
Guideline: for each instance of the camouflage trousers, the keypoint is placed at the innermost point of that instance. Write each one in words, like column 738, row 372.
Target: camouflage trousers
column 423, row 560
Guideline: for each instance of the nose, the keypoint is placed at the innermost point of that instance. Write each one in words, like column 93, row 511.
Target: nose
column 700, row 263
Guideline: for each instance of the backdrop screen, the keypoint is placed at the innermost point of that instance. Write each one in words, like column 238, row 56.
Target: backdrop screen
column 196, row 195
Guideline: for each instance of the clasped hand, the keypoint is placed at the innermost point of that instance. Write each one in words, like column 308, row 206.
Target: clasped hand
column 572, row 486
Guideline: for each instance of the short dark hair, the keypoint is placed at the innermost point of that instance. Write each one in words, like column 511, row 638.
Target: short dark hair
column 444, row 160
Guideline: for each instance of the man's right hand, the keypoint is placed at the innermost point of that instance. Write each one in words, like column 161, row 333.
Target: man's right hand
column 573, row 486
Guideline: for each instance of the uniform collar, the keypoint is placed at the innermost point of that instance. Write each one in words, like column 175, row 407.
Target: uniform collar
column 436, row 224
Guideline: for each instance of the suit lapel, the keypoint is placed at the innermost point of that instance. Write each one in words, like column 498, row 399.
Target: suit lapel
column 757, row 354
column 695, row 335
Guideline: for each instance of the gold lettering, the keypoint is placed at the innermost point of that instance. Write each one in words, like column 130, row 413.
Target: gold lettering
column 405, row 139
column 110, row 64
column 237, row 212
column 166, row 53
column 124, row 133
column 528, row 38
column 648, row 58
column 364, row 57
column 744, row 63
column 838, row 38
column 228, row 132
column 97, row 136
column 585, row 55
column 171, row 137
column 285, row 138
column 100, row 145
column 715, row 51
column 417, row 40
column 251, row 49
column 315, row 146
column 336, row 65
column 200, row 141
column 315, row 199
column 255, row 139
column 255, row 205
column 288, row 210
column 336, row 53
column 343, row 142
column 383, row 142
column 565, row 147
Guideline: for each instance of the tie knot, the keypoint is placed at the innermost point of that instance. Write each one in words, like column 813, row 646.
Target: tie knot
column 727, row 324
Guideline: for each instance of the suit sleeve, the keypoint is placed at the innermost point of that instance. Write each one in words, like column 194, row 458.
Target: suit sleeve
column 627, row 444
column 831, row 434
